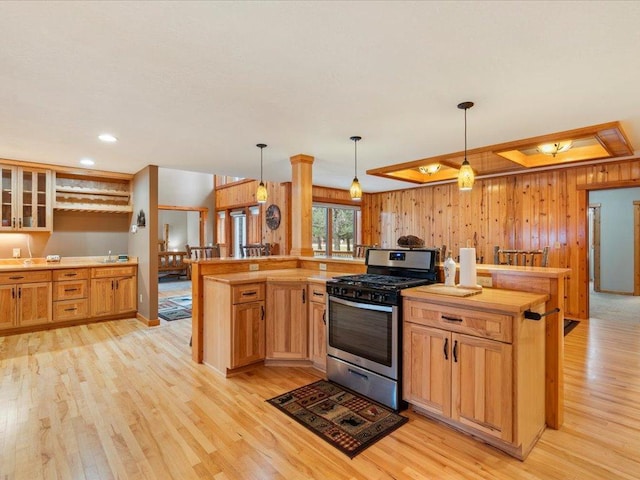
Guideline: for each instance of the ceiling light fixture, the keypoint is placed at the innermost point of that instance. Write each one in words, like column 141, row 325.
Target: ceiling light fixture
column 356, row 189
column 261, row 193
column 555, row 148
column 429, row 169
column 466, row 177
column 87, row 162
column 107, row 138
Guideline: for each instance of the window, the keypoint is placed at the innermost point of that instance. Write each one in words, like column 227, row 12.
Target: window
column 335, row 230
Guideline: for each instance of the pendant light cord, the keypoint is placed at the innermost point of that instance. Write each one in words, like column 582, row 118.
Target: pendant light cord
column 355, row 140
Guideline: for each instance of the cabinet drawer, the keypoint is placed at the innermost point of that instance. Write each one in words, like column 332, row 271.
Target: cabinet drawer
column 250, row 292
column 70, row 309
column 70, row 274
column 26, row 277
column 480, row 324
column 107, row 272
column 317, row 292
column 70, row 290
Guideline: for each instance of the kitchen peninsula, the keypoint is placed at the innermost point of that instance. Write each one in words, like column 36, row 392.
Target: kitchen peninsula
column 549, row 281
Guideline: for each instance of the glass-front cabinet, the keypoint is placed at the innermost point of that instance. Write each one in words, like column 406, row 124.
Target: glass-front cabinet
column 26, row 199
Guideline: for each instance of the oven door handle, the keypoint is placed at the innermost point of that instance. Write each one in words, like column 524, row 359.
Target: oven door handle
column 366, row 306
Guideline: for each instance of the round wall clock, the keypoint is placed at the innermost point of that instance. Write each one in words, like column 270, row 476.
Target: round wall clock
column 273, row 216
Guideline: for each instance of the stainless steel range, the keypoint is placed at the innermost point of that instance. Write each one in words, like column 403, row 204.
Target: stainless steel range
column 364, row 322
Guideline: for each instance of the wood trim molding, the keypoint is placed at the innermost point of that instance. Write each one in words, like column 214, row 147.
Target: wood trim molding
column 636, row 250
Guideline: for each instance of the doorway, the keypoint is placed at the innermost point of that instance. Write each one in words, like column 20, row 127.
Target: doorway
column 614, row 252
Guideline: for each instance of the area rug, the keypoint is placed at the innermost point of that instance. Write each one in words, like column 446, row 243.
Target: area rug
column 347, row 421
column 175, row 308
column 569, row 325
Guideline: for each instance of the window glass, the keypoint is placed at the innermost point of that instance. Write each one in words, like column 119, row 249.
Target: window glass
column 335, row 230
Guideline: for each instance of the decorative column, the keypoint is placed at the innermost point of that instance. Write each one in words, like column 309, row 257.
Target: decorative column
column 301, row 205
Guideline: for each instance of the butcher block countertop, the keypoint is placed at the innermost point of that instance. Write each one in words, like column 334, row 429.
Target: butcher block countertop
column 511, row 301
column 25, row 264
column 283, row 275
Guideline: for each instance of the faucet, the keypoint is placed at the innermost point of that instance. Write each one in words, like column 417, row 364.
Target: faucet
column 109, row 260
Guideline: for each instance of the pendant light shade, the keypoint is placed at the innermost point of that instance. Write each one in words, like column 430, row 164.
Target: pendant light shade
column 261, row 193
column 356, row 189
column 466, row 177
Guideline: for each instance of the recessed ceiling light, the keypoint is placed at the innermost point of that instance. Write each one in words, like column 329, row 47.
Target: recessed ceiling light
column 87, row 162
column 107, row 138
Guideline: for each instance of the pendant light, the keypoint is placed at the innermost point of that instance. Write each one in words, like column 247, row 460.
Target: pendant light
column 466, row 177
column 261, row 193
column 356, row 189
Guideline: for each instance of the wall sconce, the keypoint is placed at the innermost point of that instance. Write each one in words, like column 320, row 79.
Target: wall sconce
column 555, row 148
column 261, row 192
column 356, row 189
column 430, row 169
column 466, row 177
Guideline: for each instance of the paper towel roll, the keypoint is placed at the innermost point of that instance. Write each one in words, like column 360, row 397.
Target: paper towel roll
column 468, row 276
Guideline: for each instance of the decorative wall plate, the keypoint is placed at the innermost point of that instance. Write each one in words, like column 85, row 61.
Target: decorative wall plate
column 273, row 216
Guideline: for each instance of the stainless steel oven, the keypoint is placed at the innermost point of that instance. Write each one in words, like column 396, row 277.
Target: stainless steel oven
column 364, row 322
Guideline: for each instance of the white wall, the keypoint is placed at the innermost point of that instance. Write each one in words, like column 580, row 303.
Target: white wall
column 180, row 188
column 616, row 237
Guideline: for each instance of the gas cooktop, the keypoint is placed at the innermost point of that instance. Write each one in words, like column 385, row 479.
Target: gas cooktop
column 378, row 281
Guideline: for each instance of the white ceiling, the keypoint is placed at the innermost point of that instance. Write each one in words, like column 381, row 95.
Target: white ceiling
column 196, row 85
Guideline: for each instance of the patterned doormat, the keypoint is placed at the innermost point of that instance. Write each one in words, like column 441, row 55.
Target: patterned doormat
column 175, row 308
column 347, row 421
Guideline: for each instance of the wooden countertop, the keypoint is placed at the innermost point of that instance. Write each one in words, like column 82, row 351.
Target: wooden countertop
column 284, row 275
column 19, row 265
column 511, row 301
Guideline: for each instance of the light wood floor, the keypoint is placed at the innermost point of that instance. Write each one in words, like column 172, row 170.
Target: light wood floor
column 117, row 400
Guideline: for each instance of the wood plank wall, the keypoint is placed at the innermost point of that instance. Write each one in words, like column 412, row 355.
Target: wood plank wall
column 526, row 211
column 243, row 194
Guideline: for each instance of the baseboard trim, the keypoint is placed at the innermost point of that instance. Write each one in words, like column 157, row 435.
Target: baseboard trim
column 149, row 323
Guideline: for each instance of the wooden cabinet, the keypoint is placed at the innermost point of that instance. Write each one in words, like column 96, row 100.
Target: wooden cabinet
column 317, row 325
column 70, row 294
column 113, row 290
column 25, row 299
column 26, row 199
column 287, row 337
column 478, row 369
column 234, row 325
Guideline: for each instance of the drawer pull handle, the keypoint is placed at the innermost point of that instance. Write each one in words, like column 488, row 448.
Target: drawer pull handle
column 70, row 274
column 19, row 277
column 446, row 349
column 71, row 309
column 316, row 293
column 452, row 319
column 248, row 294
column 71, row 289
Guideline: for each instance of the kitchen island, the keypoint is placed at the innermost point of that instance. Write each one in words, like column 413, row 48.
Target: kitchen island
column 549, row 281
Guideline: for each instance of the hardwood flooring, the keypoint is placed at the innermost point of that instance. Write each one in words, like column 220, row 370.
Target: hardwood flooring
column 118, row 400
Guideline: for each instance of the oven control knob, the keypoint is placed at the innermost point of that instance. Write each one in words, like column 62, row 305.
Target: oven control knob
column 358, row 294
column 375, row 297
column 343, row 291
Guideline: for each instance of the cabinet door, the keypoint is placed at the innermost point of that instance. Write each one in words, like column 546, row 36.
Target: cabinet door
column 125, row 294
column 427, row 368
column 248, row 330
column 8, row 306
column 318, row 335
column 34, row 212
column 34, row 303
column 287, row 320
column 9, row 185
column 482, row 385
column 102, row 296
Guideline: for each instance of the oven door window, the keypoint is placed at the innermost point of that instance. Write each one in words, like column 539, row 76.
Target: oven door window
column 362, row 329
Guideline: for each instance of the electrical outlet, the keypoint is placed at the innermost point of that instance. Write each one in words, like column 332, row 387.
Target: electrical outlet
column 140, row 298
column 485, row 281
column 323, row 266
column 16, row 253
column 253, row 267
